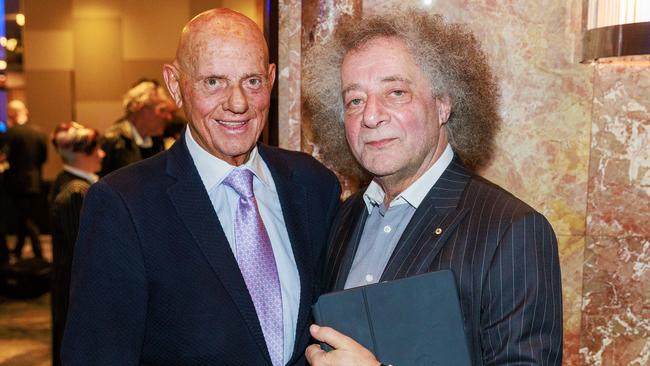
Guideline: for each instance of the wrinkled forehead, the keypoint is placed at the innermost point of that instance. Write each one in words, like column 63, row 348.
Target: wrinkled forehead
column 373, row 55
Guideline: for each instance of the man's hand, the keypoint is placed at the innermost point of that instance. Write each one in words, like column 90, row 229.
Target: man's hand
column 346, row 351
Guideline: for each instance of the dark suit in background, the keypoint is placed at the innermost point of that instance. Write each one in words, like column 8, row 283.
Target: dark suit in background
column 503, row 254
column 121, row 150
column 66, row 198
column 27, row 152
column 154, row 279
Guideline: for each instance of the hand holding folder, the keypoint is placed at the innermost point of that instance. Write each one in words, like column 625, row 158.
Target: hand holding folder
column 411, row 321
column 348, row 351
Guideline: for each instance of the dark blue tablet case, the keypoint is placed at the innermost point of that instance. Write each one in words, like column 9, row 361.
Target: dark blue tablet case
column 411, row 321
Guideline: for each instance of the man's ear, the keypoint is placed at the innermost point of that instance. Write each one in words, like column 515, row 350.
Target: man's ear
column 443, row 104
column 171, row 75
column 271, row 75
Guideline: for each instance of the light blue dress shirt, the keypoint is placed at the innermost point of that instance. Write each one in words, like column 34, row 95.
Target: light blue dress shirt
column 385, row 225
column 225, row 201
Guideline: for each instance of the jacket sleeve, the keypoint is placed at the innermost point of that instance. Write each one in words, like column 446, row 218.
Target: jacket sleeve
column 521, row 317
column 108, row 293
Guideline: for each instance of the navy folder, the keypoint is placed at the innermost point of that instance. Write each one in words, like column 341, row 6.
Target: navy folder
column 411, row 321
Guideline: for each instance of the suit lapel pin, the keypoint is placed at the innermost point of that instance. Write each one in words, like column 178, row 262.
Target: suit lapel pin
column 438, row 231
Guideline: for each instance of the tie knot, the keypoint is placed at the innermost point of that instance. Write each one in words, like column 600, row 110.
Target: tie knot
column 241, row 180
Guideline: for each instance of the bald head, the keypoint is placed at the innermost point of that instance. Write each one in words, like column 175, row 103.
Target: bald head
column 216, row 24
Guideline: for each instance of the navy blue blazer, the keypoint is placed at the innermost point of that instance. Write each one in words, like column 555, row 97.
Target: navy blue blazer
column 154, row 281
column 504, row 256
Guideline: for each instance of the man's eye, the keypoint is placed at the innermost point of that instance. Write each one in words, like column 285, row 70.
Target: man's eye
column 398, row 93
column 355, row 102
column 254, row 83
column 212, row 82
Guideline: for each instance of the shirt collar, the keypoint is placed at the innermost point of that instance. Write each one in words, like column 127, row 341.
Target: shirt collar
column 145, row 142
column 90, row 177
column 415, row 193
column 213, row 170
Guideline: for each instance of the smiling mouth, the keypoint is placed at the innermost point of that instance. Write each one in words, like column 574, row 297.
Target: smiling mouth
column 232, row 124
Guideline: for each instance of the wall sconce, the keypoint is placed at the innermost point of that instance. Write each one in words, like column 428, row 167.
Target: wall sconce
column 616, row 28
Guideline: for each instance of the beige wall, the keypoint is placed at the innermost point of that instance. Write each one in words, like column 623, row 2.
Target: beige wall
column 82, row 55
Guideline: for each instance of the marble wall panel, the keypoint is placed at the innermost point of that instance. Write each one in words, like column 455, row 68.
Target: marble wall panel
column 616, row 304
column 616, row 310
column 619, row 184
column 289, row 106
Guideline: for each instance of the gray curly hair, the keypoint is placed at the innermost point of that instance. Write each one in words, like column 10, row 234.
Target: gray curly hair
column 448, row 53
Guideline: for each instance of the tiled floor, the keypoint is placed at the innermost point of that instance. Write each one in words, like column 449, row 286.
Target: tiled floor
column 25, row 324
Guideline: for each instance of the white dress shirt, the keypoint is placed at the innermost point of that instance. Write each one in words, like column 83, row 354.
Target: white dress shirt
column 90, row 177
column 384, row 226
column 225, row 201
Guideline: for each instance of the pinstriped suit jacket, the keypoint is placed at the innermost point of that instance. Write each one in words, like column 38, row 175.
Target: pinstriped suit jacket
column 504, row 256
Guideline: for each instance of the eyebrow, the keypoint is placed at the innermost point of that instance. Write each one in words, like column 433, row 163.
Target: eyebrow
column 349, row 88
column 225, row 77
column 387, row 79
column 395, row 78
column 259, row 75
column 220, row 77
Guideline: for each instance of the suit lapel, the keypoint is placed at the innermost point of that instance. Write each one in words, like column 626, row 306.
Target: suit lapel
column 432, row 224
column 195, row 209
column 293, row 200
column 343, row 243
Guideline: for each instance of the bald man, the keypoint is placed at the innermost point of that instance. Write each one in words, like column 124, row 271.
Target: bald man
column 209, row 253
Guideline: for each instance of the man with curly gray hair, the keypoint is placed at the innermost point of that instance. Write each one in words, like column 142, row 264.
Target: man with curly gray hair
column 417, row 103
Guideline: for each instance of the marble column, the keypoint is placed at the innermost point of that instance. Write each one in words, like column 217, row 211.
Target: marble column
column 616, row 300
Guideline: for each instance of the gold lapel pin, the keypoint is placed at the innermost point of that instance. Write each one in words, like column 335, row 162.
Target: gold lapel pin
column 438, row 231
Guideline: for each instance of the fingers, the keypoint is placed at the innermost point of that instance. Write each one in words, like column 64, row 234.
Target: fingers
column 332, row 337
column 315, row 355
column 346, row 350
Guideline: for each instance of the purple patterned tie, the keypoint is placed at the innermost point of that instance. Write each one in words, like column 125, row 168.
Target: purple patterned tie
column 257, row 263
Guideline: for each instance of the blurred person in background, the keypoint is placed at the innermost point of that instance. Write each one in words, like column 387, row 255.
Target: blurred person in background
column 139, row 134
column 82, row 157
column 26, row 153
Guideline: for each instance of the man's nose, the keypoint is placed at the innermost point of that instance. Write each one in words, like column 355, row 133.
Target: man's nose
column 374, row 113
column 237, row 102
